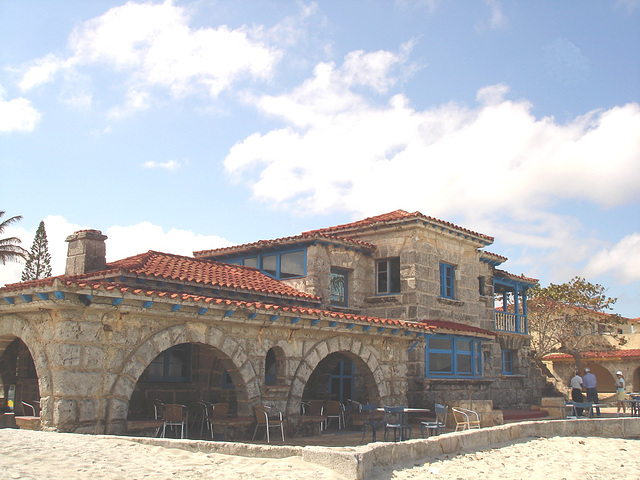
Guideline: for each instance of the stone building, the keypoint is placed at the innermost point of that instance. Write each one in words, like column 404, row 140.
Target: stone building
column 400, row 308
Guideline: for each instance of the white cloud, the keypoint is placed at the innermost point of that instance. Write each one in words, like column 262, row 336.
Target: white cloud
column 122, row 242
column 622, row 259
column 497, row 19
column 341, row 150
column 170, row 165
column 17, row 115
column 155, row 48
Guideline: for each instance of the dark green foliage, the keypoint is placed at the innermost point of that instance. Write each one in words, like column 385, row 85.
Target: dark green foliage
column 10, row 249
column 39, row 260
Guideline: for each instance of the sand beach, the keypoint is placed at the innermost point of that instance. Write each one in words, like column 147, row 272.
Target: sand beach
column 36, row 455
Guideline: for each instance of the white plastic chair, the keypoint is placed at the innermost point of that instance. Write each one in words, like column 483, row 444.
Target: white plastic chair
column 465, row 418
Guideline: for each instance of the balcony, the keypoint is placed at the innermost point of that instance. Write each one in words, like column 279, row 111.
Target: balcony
column 510, row 322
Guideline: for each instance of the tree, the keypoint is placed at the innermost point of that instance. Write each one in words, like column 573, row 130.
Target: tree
column 39, row 261
column 571, row 318
column 10, row 249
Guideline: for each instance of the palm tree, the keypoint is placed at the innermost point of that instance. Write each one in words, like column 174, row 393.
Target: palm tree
column 10, row 249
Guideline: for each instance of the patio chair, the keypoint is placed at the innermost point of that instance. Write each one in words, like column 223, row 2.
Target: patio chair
column 440, row 423
column 203, row 417
column 263, row 420
column 32, row 408
column 369, row 417
column 313, row 415
column 396, row 421
column 219, row 418
column 465, row 419
column 333, row 409
column 175, row 415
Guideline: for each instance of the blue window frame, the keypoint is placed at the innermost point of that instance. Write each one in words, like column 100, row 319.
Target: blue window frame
column 388, row 276
column 339, row 287
column 172, row 365
column 341, row 380
column 281, row 264
column 453, row 356
column 507, row 362
column 447, row 277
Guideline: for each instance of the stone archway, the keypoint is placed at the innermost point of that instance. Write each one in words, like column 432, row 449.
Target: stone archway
column 241, row 370
column 364, row 355
column 17, row 327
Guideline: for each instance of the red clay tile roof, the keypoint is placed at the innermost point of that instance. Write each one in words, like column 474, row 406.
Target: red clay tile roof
column 207, row 272
column 621, row 353
column 395, row 216
column 261, row 244
column 521, row 278
column 457, row 327
column 103, row 286
column 157, row 265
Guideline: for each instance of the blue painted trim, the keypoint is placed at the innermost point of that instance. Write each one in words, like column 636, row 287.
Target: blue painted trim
column 43, row 296
column 147, row 304
column 295, row 319
column 176, row 307
column 251, row 316
column 350, row 326
column 395, row 330
column 228, row 313
column 140, row 280
column 26, row 298
column 415, row 344
column 333, row 324
column 59, row 295
column 407, row 333
column 202, row 310
column 381, row 329
column 273, row 318
column 10, row 300
column 315, row 322
column 116, row 301
column 366, row 328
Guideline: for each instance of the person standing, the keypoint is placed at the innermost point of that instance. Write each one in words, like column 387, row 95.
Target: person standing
column 590, row 383
column 576, row 391
column 620, row 392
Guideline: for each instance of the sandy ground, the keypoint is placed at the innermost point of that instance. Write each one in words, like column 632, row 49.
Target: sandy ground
column 29, row 455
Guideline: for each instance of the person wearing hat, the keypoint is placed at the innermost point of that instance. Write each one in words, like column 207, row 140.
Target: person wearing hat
column 590, row 383
column 620, row 385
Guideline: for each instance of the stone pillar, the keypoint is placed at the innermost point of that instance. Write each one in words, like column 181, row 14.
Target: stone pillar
column 86, row 253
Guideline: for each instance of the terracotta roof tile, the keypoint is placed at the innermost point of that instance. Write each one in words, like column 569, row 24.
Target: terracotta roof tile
column 457, row 327
column 206, row 272
column 261, row 244
column 397, row 215
column 621, row 353
column 522, row 278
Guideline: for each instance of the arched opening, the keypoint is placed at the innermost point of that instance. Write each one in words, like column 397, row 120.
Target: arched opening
column 341, row 376
column 191, row 374
column 18, row 369
column 606, row 382
column 635, row 383
column 274, row 366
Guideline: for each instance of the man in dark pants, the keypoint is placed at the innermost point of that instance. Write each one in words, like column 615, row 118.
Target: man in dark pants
column 576, row 391
column 590, row 383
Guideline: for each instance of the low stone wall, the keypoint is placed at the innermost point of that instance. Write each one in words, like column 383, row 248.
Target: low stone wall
column 355, row 463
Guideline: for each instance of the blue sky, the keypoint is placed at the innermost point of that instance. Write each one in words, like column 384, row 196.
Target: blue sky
column 188, row 125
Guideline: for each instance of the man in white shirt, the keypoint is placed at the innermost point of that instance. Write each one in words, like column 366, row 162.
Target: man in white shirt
column 576, row 391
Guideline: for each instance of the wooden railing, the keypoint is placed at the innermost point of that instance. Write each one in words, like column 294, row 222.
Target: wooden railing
column 510, row 322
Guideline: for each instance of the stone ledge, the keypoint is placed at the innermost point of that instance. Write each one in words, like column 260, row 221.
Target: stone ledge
column 356, row 463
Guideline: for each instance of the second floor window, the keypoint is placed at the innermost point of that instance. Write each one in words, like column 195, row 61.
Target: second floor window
column 388, row 276
column 507, row 362
column 338, row 287
column 447, row 277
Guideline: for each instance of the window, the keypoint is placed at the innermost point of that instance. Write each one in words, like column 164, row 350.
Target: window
column 452, row 356
column 226, row 383
column 284, row 265
column 447, row 275
column 481, row 289
column 270, row 368
column 507, row 362
column 341, row 381
column 388, row 276
column 338, row 287
column 172, row 365
column 250, row 262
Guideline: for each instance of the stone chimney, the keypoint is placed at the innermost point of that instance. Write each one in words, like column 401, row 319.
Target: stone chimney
column 87, row 252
